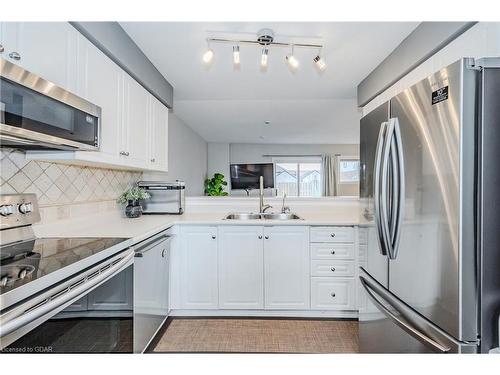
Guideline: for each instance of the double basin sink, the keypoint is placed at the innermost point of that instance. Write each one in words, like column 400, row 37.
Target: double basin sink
column 264, row 216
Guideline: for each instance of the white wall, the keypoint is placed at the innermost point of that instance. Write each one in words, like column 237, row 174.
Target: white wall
column 187, row 157
column 481, row 40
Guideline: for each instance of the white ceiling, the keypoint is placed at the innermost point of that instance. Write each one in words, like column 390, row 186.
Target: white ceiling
column 227, row 105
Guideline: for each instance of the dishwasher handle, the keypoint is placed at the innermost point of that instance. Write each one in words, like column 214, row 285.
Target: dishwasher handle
column 151, row 244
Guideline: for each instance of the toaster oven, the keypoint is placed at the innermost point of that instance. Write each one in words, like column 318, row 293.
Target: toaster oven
column 166, row 197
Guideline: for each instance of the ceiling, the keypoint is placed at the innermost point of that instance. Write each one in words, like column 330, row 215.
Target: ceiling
column 224, row 104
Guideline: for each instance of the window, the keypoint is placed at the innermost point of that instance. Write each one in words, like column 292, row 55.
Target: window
column 298, row 177
column 348, row 171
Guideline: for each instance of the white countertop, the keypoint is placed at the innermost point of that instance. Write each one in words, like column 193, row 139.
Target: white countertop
column 115, row 224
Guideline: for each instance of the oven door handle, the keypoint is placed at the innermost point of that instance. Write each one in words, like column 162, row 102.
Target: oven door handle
column 65, row 296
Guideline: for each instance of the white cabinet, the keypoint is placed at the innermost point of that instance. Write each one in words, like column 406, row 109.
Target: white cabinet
column 286, row 267
column 330, row 293
column 100, row 81
column 135, row 130
column 158, row 156
column 114, row 294
column 241, row 278
column 199, row 287
column 47, row 49
column 134, row 124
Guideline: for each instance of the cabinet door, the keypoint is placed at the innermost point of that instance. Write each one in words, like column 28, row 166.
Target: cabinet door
column 100, row 82
column 159, row 135
column 199, row 288
column 114, row 294
column 286, row 267
column 48, row 49
column 136, row 127
column 241, row 276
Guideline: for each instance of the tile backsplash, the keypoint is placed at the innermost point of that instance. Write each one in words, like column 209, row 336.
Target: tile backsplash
column 57, row 184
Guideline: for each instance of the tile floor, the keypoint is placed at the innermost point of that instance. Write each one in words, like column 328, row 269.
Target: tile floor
column 258, row 336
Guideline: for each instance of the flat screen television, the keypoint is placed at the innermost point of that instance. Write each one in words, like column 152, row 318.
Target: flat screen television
column 246, row 176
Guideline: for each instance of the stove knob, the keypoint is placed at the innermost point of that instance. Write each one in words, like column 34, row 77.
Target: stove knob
column 6, row 210
column 25, row 208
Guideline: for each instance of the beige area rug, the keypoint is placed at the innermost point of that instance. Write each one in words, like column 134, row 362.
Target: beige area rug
column 259, row 336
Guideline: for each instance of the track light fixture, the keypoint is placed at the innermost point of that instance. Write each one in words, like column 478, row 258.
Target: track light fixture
column 265, row 39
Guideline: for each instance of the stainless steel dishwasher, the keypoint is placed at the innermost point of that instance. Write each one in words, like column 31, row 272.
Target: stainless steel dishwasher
column 151, row 283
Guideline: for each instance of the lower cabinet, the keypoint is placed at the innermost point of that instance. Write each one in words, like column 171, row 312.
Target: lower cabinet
column 199, row 286
column 256, row 267
column 286, row 267
column 241, row 274
column 330, row 293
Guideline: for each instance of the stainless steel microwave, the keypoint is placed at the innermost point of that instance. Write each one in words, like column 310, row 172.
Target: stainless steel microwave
column 37, row 114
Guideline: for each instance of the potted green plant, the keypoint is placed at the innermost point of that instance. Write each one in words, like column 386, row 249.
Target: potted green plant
column 215, row 186
column 132, row 197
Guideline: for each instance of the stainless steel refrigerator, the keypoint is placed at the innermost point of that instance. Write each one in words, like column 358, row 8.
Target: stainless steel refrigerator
column 430, row 239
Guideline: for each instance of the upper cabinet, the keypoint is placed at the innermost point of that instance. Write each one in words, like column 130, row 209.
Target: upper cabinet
column 47, row 49
column 134, row 124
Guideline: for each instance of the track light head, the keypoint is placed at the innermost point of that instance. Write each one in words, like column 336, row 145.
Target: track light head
column 208, row 56
column 320, row 63
column 263, row 58
column 292, row 61
column 236, row 55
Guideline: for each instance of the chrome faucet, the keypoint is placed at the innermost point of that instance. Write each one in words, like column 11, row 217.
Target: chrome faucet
column 262, row 207
column 284, row 209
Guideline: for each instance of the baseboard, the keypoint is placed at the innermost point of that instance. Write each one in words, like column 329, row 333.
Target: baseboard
column 267, row 313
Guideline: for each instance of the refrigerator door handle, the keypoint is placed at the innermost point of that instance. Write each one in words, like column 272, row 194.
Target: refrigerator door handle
column 376, row 187
column 385, row 231
column 408, row 319
column 398, row 189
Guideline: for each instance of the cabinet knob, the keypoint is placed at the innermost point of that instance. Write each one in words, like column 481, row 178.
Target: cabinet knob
column 153, row 160
column 333, row 294
column 332, row 252
column 332, row 269
column 164, row 253
column 266, row 237
column 1, row 48
column 15, row 56
column 332, row 235
column 214, row 237
column 260, row 237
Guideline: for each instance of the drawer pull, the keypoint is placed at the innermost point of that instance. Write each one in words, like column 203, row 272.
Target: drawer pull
column 333, row 269
column 332, row 235
column 260, row 237
column 213, row 237
column 332, row 252
column 333, row 294
column 266, row 237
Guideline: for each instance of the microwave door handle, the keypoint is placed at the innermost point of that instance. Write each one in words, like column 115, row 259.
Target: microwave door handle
column 414, row 332
column 376, row 187
column 71, row 295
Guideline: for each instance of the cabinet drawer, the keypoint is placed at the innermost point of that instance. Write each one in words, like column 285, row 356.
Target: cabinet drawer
column 329, row 268
column 333, row 294
column 332, row 251
column 332, row 234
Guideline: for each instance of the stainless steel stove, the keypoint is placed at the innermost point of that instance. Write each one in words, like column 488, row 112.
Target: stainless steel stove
column 40, row 277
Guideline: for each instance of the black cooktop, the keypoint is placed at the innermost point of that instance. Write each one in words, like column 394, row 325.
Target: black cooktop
column 22, row 262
